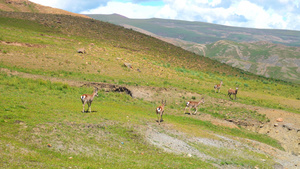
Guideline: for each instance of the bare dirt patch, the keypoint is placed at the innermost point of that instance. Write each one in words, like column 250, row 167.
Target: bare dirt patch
column 176, row 142
column 173, row 145
column 287, row 131
column 22, row 44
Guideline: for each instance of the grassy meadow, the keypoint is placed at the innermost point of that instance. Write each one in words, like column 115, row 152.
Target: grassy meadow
column 41, row 120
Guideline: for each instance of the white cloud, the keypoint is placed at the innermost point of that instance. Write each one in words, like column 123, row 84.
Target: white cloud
column 278, row 14
column 166, row 12
column 215, row 2
column 245, row 13
column 128, row 9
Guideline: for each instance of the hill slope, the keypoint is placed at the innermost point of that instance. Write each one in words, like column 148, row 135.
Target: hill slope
column 261, row 58
column 28, row 6
column 278, row 58
column 42, row 77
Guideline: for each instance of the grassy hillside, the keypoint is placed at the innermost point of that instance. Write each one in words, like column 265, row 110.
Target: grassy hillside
column 41, row 120
column 270, row 53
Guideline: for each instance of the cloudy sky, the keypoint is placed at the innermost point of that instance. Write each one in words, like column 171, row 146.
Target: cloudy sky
column 274, row 14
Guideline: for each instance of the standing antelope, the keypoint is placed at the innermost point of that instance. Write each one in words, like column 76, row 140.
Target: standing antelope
column 160, row 110
column 218, row 87
column 232, row 92
column 193, row 104
column 88, row 98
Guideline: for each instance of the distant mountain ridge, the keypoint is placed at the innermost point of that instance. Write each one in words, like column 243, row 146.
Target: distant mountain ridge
column 266, row 52
column 203, row 33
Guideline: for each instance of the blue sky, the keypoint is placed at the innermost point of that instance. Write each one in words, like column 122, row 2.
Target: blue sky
column 269, row 14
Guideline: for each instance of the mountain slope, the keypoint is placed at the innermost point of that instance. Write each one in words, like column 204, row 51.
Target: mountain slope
column 248, row 49
column 261, row 58
column 28, row 6
column 42, row 77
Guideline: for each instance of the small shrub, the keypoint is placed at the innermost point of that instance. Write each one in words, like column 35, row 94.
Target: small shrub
column 65, row 86
column 166, row 83
column 265, row 82
column 166, row 65
column 238, row 83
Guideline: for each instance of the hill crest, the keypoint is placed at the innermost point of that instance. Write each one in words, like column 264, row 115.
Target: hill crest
column 28, row 6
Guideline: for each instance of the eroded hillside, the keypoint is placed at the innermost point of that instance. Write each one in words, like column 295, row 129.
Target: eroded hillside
column 261, row 58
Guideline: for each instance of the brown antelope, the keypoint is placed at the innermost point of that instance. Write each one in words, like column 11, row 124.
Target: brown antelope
column 88, row 98
column 218, row 87
column 160, row 110
column 232, row 92
column 193, row 104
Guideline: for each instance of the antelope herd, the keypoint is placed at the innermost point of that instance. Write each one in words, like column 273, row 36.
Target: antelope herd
column 88, row 98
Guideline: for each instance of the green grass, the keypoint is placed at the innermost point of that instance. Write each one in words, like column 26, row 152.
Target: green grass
column 35, row 113
column 108, row 136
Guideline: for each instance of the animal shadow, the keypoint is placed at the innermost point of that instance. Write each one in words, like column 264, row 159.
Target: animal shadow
column 89, row 111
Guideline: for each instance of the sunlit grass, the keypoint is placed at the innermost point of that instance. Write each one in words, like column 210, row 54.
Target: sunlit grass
column 107, row 135
column 36, row 112
column 57, row 120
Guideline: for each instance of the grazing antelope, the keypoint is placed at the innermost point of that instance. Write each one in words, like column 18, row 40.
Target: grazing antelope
column 232, row 92
column 193, row 104
column 88, row 98
column 218, row 87
column 160, row 110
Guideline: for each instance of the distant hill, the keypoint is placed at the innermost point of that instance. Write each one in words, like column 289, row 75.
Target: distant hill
column 27, row 6
column 267, row 52
column 261, row 58
column 204, row 33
